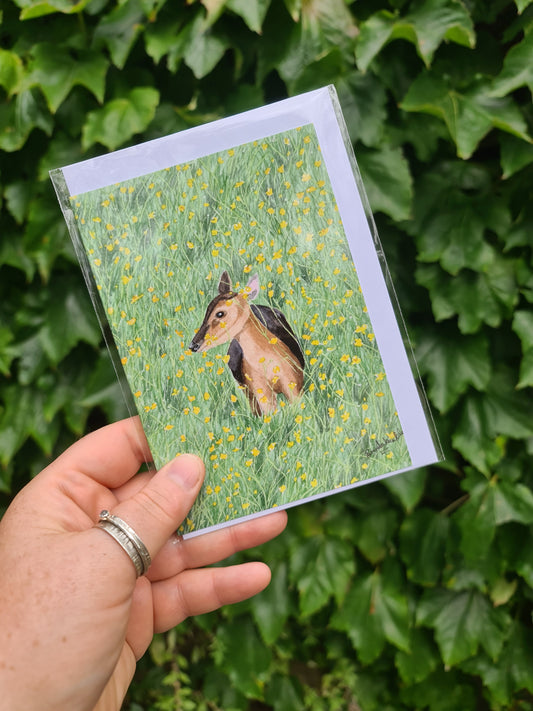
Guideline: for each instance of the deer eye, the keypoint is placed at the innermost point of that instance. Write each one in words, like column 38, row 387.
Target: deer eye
column 219, row 314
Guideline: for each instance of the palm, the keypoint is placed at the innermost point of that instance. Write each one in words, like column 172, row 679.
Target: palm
column 80, row 595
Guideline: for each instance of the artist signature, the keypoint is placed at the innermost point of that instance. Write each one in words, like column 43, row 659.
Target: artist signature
column 382, row 444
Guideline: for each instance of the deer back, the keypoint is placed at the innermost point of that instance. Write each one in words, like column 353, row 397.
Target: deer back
column 276, row 323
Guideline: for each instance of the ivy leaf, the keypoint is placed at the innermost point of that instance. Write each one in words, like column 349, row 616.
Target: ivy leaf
column 525, row 279
column 17, row 196
column 517, row 68
column 469, row 114
column 373, row 532
column 325, row 25
column 357, row 618
column 455, row 237
column 423, row 544
column 476, row 298
column 69, row 319
column 214, row 9
column 32, row 9
column 322, row 568
column 284, row 694
column 513, row 671
column 253, row 12
column 119, row 29
column 56, row 70
column 442, row 690
column 204, row 48
column 373, row 611
column 519, row 234
column 514, row 155
column 441, row 20
column 452, row 212
column 491, row 503
column 120, row 119
column 20, row 116
column 276, row 41
column 324, row 70
column 508, row 411
column 521, row 557
column 32, row 360
column 294, row 8
column 420, row 661
column 426, row 27
column 473, row 437
column 102, row 389
column 523, row 327
column 166, row 39
column 463, row 622
column 520, row 658
column 247, row 657
column 7, row 351
column 374, row 34
column 513, row 501
column 73, row 375
column 497, row 678
column 18, row 412
column 272, row 607
column 46, row 236
column 452, row 366
column 387, row 181
column 408, row 487
column 182, row 35
column 245, row 97
column 501, row 412
column 422, row 131
column 61, row 150
column 526, row 370
column 11, row 71
column 363, row 100
column 502, row 591
column 22, row 419
column 392, row 609
column 13, row 254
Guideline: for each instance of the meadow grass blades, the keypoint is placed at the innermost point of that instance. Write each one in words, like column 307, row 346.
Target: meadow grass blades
column 157, row 246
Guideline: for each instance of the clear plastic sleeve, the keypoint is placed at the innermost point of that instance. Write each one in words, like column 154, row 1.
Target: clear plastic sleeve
column 240, row 284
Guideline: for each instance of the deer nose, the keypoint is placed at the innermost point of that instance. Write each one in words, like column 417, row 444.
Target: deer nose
column 194, row 347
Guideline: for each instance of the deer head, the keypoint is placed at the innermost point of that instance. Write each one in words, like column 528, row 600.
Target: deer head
column 226, row 315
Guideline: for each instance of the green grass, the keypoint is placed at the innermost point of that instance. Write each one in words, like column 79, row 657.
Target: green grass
column 158, row 245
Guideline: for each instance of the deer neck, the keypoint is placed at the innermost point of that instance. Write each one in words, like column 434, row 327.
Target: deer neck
column 255, row 331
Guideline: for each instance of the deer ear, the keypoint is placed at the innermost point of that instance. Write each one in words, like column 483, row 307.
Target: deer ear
column 224, row 285
column 252, row 288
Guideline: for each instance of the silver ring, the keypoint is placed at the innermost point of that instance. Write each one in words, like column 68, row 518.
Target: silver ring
column 126, row 537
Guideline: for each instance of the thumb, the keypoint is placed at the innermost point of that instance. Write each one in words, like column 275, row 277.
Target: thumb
column 156, row 511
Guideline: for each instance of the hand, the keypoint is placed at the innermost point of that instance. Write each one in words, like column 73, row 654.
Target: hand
column 73, row 617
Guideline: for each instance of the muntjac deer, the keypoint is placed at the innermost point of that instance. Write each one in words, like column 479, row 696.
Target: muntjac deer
column 264, row 355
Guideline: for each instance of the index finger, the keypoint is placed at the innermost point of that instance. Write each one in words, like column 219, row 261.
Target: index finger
column 110, row 455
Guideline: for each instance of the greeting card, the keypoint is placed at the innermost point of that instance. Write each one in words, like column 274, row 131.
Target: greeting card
column 238, row 277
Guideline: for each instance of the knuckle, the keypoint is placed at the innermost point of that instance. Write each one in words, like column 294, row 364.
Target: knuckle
column 157, row 505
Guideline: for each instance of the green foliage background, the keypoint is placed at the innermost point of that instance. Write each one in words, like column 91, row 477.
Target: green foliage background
column 414, row 593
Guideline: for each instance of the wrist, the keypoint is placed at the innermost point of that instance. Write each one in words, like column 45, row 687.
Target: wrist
column 116, row 688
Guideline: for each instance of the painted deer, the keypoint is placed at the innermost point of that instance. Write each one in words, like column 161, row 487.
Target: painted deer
column 264, row 356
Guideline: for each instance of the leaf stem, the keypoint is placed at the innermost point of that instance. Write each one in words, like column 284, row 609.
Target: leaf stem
column 455, row 505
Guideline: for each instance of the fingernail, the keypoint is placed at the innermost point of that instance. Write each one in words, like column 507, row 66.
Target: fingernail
column 186, row 470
